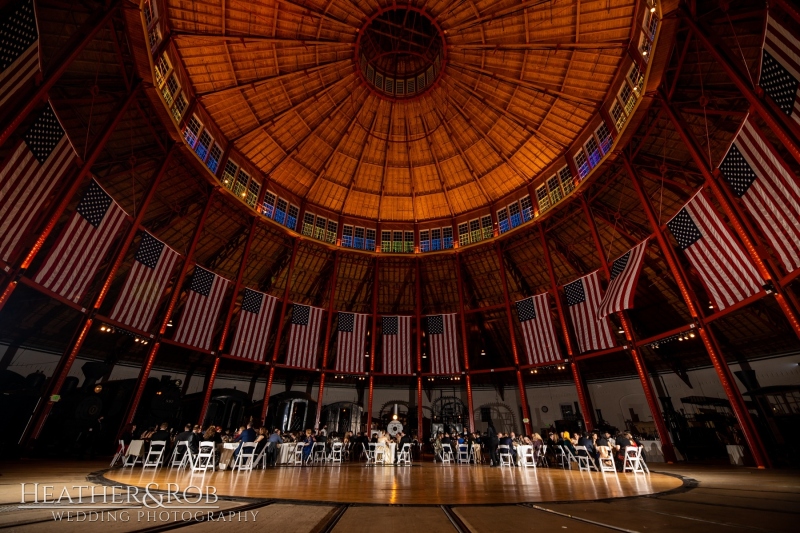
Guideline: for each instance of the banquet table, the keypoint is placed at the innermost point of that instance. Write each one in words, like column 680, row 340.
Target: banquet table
column 285, row 453
column 389, row 455
column 226, row 455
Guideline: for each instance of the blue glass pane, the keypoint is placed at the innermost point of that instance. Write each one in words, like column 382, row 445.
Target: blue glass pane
column 583, row 170
column 516, row 220
column 448, row 243
column 291, row 222
column 370, row 245
column 527, row 214
column 201, row 151
column 347, row 241
column 595, row 158
column 267, row 210
column 504, row 226
column 212, row 164
column 424, row 246
column 436, row 244
column 280, row 215
column 605, row 146
column 359, row 243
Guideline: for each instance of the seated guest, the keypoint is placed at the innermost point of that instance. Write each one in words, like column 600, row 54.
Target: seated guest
column 566, row 443
column 623, row 441
column 261, row 440
column 586, row 442
column 275, row 441
column 247, row 435
column 161, row 434
column 308, row 444
column 447, row 440
column 506, row 439
column 128, row 434
column 185, row 435
column 194, row 441
column 536, row 443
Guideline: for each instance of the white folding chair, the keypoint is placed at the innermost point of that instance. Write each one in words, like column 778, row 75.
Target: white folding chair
column 633, row 460
column 244, row 460
column 155, row 455
column 177, row 457
column 133, row 454
column 380, row 454
column 606, row 459
column 297, row 454
column 585, row 461
column 318, row 453
column 463, row 454
column 337, row 450
column 119, row 455
column 262, row 456
column 542, row 458
column 206, row 457
column 447, row 454
column 404, row 455
column 505, row 455
column 526, row 458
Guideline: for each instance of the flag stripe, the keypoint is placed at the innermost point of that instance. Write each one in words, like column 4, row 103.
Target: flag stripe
column 444, row 346
column 350, row 345
column 24, row 187
column 200, row 314
column 304, row 339
column 591, row 333
column 252, row 333
column 79, row 251
column 23, row 70
column 726, row 270
column 782, row 45
column 138, row 301
column 622, row 289
column 397, row 348
column 774, row 197
column 538, row 333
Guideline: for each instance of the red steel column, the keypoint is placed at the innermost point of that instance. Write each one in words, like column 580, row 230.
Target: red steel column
column 580, row 385
column 418, row 320
column 66, row 197
column 736, row 218
column 751, row 434
column 237, row 287
column 326, row 349
column 520, row 382
column 65, row 364
column 465, row 341
column 284, row 305
column 778, row 126
column 78, row 41
column 144, row 374
column 373, row 341
column 647, row 387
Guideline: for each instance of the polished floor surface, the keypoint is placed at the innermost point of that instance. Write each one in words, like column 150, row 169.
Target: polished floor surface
column 421, row 484
column 702, row 499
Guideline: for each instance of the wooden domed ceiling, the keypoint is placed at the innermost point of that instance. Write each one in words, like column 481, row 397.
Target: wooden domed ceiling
column 401, row 112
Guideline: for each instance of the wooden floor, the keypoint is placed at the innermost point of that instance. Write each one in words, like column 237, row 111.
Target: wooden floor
column 421, row 484
column 712, row 498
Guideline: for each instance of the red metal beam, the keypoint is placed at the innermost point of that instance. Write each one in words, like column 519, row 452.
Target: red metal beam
column 284, row 305
column 696, row 310
column 523, row 397
column 465, row 342
column 418, row 320
column 580, row 385
column 144, row 373
column 638, row 360
column 69, row 52
column 327, row 342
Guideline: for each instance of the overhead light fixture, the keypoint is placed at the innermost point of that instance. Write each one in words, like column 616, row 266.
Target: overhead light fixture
column 366, row 354
column 680, row 338
column 691, row 334
column 483, row 352
column 653, row 9
column 621, row 331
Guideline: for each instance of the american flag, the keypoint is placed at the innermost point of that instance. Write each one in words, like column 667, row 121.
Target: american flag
column 146, row 282
column 83, row 244
column 28, row 176
column 443, row 344
column 768, row 188
column 252, row 332
column 350, row 337
column 304, row 336
column 534, row 316
column 721, row 262
column 583, row 298
column 625, row 272
column 780, row 68
column 396, row 335
column 202, row 309
column 19, row 48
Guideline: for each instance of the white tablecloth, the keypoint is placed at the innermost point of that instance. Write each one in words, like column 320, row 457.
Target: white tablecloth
column 136, row 448
column 285, row 453
column 521, row 451
column 388, row 455
column 735, row 454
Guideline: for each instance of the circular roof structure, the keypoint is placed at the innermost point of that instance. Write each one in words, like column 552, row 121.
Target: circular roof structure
column 394, row 112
